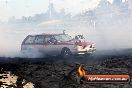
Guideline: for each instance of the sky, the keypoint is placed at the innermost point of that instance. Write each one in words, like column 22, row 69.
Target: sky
column 19, row 8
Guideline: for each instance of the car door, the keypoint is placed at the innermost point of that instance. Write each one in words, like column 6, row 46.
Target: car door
column 49, row 46
column 39, row 44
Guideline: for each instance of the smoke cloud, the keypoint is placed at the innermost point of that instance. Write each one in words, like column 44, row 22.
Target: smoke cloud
column 109, row 29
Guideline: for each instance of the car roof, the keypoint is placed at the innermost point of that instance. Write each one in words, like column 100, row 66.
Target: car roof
column 48, row 34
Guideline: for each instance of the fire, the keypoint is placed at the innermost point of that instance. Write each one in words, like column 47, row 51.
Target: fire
column 81, row 71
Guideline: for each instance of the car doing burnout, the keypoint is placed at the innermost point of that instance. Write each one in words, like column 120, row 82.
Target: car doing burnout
column 56, row 44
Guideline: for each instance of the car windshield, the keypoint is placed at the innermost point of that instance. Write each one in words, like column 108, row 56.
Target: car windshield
column 63, row 38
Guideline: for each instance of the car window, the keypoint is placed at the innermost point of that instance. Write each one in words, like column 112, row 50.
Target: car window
column 30, row 40
column 39, row 39
column 66, row 37
column 50, row 40
column 63, row 38
column 47, row 39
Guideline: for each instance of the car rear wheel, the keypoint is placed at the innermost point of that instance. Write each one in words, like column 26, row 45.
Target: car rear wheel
column 66, row 53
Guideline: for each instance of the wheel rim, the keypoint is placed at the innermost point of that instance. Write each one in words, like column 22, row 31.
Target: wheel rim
column 67, row 53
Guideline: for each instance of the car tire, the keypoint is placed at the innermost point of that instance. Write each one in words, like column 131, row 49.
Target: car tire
column 66, row 53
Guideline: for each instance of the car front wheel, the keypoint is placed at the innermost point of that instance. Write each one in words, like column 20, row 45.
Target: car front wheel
column 66, row 53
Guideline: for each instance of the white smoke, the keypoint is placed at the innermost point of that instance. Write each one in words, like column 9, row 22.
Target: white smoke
column 105, row 36
column 106, row 31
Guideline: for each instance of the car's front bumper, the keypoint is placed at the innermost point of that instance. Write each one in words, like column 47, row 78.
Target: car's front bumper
column 81, row 52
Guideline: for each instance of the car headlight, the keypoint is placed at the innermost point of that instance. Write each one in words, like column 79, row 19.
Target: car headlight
column 79, row 47
column 90, row 46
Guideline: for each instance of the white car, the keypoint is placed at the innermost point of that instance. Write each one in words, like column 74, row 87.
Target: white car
column 56, row 44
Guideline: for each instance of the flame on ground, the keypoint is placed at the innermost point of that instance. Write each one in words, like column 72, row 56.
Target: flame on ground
column 81, row 71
